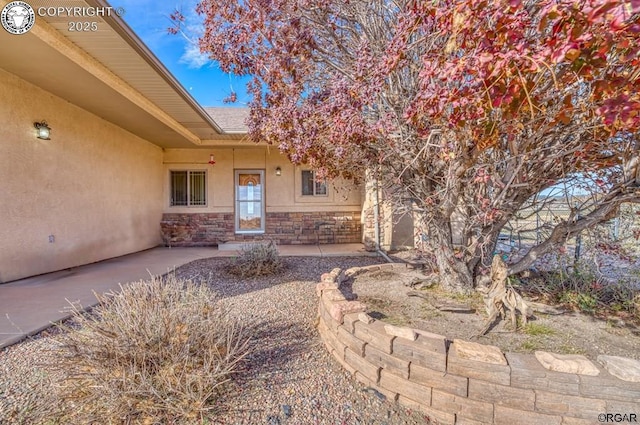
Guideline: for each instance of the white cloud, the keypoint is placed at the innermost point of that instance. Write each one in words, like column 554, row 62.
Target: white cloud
column 192, row 56
column 151, row 22
column 191, row 30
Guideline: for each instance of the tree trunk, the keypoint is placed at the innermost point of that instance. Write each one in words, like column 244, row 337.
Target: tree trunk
column 454, row 272
column 459, row 271
column 455, row 276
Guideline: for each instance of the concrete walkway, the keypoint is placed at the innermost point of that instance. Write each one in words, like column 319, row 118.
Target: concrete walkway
column 31, row 305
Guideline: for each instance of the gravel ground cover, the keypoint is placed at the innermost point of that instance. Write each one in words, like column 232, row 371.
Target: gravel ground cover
column 289, row 378
column 386, row 295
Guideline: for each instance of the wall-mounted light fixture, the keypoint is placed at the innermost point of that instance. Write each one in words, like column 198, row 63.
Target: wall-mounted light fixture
column 211, row 160
column 44, row 131
column 278, row 171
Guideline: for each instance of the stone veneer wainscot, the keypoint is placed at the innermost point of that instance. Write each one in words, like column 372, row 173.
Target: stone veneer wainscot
column 285, row 228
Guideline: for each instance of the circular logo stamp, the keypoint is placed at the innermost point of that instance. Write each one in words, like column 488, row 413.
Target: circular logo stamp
column 17, row 17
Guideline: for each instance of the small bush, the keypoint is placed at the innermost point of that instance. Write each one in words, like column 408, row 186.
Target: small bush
column 256, row 259
column 583, row 301
column 585, row 288
column 158, row 351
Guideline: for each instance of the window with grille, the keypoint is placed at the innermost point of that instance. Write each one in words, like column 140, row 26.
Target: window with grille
column 188, row 188
column 312, row 186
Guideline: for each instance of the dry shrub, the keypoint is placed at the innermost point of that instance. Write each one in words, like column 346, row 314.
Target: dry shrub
column 256, row 259
column 584, row 287
column 158, row 351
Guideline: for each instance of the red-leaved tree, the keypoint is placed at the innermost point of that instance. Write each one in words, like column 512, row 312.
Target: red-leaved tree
column 465, row 109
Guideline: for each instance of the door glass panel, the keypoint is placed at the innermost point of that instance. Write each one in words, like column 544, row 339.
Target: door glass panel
column 249, row 207
column 250, row 216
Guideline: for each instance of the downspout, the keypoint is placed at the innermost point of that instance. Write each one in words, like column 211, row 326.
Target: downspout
column 376, row 219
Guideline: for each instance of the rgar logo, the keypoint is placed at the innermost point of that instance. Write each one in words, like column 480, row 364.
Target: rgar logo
column 17, row 17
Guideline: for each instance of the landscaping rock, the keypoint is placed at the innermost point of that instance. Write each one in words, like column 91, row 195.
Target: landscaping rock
column 273, row 420
column 478, row 352
column 289, row 366
column 402, row 332
column 364, row 317
column 621, row 367
column 567, row 363
column 286, row 410
column 375, row 393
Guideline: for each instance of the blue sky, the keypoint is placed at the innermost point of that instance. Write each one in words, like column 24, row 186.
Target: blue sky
column 199, row 75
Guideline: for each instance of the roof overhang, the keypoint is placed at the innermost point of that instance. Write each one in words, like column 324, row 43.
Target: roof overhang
column 112, row 74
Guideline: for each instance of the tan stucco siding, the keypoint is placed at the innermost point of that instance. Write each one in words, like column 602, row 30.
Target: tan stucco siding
column 282, row 193
column 96, row 188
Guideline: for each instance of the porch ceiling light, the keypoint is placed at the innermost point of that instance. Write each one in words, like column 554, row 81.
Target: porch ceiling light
column 44, row 131
column 278, row 171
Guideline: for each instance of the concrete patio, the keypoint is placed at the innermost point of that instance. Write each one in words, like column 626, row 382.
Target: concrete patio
column 28, row 306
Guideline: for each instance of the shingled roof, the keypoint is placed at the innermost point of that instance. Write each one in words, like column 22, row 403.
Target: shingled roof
column 230, row 120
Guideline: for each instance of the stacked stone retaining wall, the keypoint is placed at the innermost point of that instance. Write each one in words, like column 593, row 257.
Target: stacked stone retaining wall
column 461, row 382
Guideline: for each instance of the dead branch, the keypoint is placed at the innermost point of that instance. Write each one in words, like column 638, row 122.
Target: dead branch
column 500, row 296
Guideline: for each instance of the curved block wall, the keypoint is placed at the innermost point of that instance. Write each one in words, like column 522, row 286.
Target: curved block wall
column 460, row 382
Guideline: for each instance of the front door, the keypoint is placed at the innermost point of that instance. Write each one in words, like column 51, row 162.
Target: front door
column 249, row 201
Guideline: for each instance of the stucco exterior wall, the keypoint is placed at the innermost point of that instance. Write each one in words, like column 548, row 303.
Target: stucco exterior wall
column 396, row 231
column 290, row 217
column 94, row 187
column 282, row 193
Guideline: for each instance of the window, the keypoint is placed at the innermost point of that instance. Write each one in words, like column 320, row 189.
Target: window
column 312, row 186
column 188, row 188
